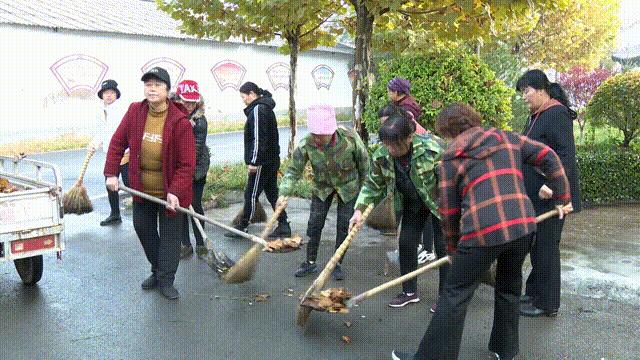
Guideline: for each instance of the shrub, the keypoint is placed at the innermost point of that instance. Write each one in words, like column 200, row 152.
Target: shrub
column 616, row 103
column 608, row 175
column 438, row 79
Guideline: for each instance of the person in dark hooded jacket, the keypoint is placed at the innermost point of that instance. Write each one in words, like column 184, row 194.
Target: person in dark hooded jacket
column 486, row 216
column 188, row 94
column 262, row 156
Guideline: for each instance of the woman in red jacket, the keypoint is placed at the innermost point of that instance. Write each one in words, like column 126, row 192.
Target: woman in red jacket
column 162, row 163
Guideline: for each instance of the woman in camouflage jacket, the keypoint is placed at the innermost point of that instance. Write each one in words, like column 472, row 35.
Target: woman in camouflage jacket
column 339, row 161
column 406, row 167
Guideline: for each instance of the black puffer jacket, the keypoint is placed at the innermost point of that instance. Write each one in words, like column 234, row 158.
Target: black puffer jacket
column 199, row 123
column 261, row 138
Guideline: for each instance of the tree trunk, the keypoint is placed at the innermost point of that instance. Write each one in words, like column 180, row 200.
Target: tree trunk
column 628, row 136
column 362, row 63
column 581, row 124
column 294, row 47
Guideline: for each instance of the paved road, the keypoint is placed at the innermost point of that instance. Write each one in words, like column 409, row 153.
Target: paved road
column 90, row 305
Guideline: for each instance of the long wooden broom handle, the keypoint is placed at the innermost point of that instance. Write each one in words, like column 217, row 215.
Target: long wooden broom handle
column 324, row 275
column 201, row 230
column 281, row 204
column 397, row 281
column 85, row 165
column 194, row 214
column 434, row 265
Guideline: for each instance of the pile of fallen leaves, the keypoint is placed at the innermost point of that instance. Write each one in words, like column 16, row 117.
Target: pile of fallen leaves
column 332, row 300
column 284, row 245
column 6, row 187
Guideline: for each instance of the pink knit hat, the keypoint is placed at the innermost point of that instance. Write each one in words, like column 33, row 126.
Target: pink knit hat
column 321, row 119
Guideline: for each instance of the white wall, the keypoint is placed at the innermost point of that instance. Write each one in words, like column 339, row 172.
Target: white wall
column 34, row 104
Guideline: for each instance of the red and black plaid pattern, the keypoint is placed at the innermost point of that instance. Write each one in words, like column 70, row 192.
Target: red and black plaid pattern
column 482, row 197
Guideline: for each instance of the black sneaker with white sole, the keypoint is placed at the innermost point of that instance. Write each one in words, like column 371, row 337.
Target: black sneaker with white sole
column 306, row 268
column 404, row 299
column 399, row 355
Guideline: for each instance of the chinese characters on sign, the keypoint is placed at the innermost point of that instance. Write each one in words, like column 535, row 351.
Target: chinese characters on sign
column 79, row 73
column 228, row 74
column 278, row 74
column 322, row 76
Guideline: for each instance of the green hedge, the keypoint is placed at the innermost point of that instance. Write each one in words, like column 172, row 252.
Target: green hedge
column 608, row 175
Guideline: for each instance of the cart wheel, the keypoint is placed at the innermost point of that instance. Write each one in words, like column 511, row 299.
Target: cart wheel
column 29, row 269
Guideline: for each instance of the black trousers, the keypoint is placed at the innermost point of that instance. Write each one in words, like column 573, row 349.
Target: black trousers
column 114, row 198
column 543, row 284
column 317, row 218
column 266, row 178
column 440, row 247
column 160, row 237
column 428, row 236
column 444, row 334
column 198, row 189
column 411, row 233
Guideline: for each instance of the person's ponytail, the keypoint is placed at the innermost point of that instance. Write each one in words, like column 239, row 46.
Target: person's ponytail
column 265, row 93
column 557, row 92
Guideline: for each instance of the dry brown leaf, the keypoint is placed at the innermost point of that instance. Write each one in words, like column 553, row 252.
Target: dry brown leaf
column 346, row 339
column 262, row 297
column 284, row 244
column 6, row 186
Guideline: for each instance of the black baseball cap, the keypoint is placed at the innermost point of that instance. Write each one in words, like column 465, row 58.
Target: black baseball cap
column 157, row 73
column 109, row 84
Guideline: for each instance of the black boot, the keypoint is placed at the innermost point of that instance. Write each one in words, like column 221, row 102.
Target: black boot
column 111, row 220
column 282, row 231
column 241, row 227
column 114, row 203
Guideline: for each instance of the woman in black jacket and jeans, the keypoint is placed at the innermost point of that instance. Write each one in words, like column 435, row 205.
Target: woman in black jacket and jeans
column 551, row 124
column 189, row 95
column 262, row 156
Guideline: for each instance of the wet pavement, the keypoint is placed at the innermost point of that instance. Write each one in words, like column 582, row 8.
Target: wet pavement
column 90, row 304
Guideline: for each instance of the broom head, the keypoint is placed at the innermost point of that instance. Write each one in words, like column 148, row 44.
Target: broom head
column 76, row 200
column 259, row 216
column 304, row 311
column 383, row 217
column 489, row 277
column 244, row 269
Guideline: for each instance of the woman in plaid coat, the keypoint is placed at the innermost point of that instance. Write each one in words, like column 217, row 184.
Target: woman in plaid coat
column 486, row 216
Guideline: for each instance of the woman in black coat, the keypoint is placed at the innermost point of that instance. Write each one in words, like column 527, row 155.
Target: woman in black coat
column 551, row 123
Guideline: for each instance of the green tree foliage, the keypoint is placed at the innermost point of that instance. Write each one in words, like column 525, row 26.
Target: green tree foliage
column 581, row 34
column 508, row 67
column 616, row 103
column 440, row 78
column 401, row 23
column 302, row 24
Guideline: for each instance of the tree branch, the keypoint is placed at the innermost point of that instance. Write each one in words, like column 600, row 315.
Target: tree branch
column 409, row 12
column 317, row 26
